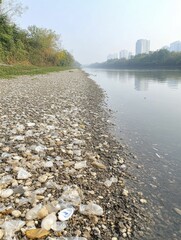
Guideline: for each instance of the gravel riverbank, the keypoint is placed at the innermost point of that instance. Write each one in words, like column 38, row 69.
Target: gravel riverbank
column 60, row 162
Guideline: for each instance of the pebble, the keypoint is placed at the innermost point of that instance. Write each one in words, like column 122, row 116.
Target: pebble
column 42, row 213
column 6, row 193
column 1, row 234
column 23, row 174
column 42, row 178
column 142, row 200
column 98, row 165
column 16, row 213
column 125, row 192
column 37, row 233
column 178, row 211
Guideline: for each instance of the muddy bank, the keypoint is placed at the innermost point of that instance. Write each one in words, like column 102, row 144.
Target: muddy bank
column 57, row 155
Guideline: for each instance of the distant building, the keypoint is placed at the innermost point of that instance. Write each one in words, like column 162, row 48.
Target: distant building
column 112, row 56
column 175, row 46
column 142, row 46
column 125, row 54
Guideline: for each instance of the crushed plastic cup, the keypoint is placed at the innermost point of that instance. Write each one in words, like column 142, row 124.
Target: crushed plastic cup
column 65, row 214
column 91, row 209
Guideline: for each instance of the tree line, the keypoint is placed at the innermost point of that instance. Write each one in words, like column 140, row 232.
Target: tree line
column 34, row 46
column 158, row 59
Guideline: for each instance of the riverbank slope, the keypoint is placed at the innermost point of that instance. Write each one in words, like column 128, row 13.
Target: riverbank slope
column 57, row 153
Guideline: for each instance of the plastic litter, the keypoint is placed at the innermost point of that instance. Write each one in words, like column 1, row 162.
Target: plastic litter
column 109, row 182
column 49, row 221
column 59, row 226
column 32, row 213
column 10, row 227
column 71, row 196
column 91, row 209
column 65, row 214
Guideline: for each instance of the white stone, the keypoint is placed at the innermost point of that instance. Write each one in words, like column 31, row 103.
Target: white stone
column 23, row 174
column 42, row 178
column 6, row 193
column 79, row 165
column 143, row 201
column 48, row 164
column 125, row 192
column 1, row 234
column 30, row 124
column 16, row 213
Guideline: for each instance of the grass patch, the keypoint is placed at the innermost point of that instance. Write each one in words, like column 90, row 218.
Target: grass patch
column 12, row 71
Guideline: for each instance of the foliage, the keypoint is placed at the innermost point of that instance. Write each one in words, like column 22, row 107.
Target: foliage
column 158, row 59
column 35, row 46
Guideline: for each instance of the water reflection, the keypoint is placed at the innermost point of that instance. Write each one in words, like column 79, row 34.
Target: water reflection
column 148, row 118
column 142, row 78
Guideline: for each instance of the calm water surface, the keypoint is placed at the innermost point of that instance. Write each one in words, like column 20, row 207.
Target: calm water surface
column 147, row 106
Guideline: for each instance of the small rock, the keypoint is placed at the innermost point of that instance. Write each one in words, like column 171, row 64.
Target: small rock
column 125, row 192
column 16, row 213
column 42, row 178
column 48, row 164
column 98, row 165
column 178, row 211
column 37, row 233
column 42, row 213
column 142, row 200
column 1, row 234
column 23, row 174
column 6, row 193
column 80, row 165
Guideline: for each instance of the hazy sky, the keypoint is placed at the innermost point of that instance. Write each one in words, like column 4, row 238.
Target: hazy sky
column 91, row 29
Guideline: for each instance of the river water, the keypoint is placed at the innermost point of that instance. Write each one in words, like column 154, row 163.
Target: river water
column 147, row 115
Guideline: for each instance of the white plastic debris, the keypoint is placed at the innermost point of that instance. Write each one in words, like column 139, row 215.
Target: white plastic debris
column 109, row 182
column 65, row 214
column 59, row 226
column 23, row 174
column 32, row 213
column 71, row 196
column 49, row 221
column 80, row 165
column 10, row 227
column 91, row 209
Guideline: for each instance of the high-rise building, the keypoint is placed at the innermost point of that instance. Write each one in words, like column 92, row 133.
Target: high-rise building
column 142, row 46
column 175, row 46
